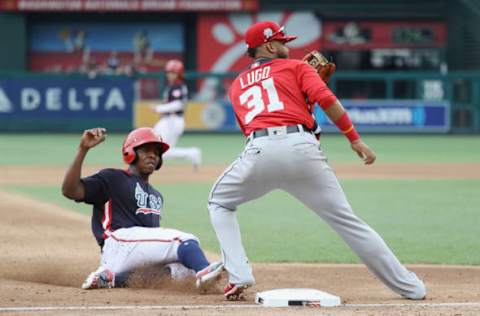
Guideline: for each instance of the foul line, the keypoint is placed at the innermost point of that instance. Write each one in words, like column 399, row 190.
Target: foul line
column 472, row 304
column 186, row 307
column 120, row 307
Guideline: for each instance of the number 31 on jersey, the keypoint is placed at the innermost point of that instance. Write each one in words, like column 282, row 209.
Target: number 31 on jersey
column 253, row 99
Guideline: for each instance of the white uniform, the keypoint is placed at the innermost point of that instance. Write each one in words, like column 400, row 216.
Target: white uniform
column 295, row 164
column 127, row 249
column 172, row 124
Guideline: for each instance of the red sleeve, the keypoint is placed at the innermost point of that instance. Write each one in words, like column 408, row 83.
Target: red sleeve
column 230, row 90
column 313, row 86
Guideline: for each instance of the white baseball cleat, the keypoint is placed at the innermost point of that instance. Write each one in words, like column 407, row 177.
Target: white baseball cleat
column 208, row 274
column 100, row 279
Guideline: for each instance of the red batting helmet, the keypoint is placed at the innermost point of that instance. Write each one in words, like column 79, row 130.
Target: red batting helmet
column 263, row 32
column 175, row 66
column 139, row 137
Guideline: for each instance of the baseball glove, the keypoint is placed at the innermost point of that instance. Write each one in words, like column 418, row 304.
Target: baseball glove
column 325, row 68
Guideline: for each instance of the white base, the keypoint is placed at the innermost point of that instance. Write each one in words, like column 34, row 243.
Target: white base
column 297, row 297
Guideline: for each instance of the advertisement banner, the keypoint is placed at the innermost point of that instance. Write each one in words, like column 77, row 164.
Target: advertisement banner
column 377, row 116
column 389, row 116
column 128, row 5
column 66, row 104
column 90, row 46
column 199, row 116
column 98, row 36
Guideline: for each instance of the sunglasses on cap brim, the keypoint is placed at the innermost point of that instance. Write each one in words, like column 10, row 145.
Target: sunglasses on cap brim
column 283, row 38
column 280, row 31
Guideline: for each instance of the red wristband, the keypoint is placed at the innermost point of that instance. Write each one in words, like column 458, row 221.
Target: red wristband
column 345, row 125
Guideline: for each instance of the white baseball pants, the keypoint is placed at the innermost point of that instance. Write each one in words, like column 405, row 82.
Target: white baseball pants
column 295, row 163
column 127, row 249
column 170, row 128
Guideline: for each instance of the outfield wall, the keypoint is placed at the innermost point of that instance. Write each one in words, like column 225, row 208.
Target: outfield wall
column 64, row 104
column 67, row 103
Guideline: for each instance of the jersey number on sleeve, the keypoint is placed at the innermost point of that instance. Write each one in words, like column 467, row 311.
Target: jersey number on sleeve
column 254, row 101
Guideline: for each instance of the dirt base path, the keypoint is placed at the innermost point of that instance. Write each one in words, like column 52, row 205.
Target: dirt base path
column 47, row 251
column 49, row 175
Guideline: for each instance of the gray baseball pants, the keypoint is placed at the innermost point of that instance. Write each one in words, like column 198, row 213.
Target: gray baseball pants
column 294, row 162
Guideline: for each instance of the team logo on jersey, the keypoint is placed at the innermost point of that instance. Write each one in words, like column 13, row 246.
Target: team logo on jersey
column 147, row 203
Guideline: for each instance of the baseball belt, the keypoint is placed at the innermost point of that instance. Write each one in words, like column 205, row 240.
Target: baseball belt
column 178, row 113
column 289, row 129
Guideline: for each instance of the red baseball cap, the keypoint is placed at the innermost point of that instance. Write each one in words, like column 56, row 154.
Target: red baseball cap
column 263, row 32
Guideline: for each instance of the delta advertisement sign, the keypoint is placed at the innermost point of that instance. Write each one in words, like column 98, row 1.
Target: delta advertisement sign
column 60, row 104
column 388, row 116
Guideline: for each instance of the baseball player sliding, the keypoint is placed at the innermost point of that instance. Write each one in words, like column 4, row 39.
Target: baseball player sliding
column 172, row 123
column 273, row 102
column 126, row 215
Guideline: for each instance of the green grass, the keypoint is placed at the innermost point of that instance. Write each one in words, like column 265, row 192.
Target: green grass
column 408, row 148
column 50, row 149
column 426, row 221
column 422, row 221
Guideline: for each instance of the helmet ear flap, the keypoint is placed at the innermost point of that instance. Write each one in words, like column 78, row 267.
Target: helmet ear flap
column 138, row 137
column 129, row 155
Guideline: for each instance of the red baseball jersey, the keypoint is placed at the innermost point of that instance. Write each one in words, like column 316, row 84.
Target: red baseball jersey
column 278, row 92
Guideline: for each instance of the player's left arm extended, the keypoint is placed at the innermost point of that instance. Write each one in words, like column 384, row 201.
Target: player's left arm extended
column 174, row 106
column 318, row 92
column 340, row 117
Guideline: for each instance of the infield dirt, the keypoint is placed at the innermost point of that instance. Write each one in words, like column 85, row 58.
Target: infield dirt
column 47, row 251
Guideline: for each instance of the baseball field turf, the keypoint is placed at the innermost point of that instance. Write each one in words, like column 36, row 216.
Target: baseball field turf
column 424, row 219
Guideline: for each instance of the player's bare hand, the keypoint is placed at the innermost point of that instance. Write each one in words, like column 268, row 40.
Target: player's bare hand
column 92, row 137
column 364, row 152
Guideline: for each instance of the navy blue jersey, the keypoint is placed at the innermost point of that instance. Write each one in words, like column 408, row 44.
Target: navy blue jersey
column 120, row 200
column 176, row 91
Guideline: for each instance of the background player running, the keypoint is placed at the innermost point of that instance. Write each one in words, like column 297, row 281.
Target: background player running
column 126, row 214
column 172, row 123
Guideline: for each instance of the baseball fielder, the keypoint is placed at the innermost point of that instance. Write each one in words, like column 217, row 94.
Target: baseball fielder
column 172, row 123
column 273, row 105
column 127, row 211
